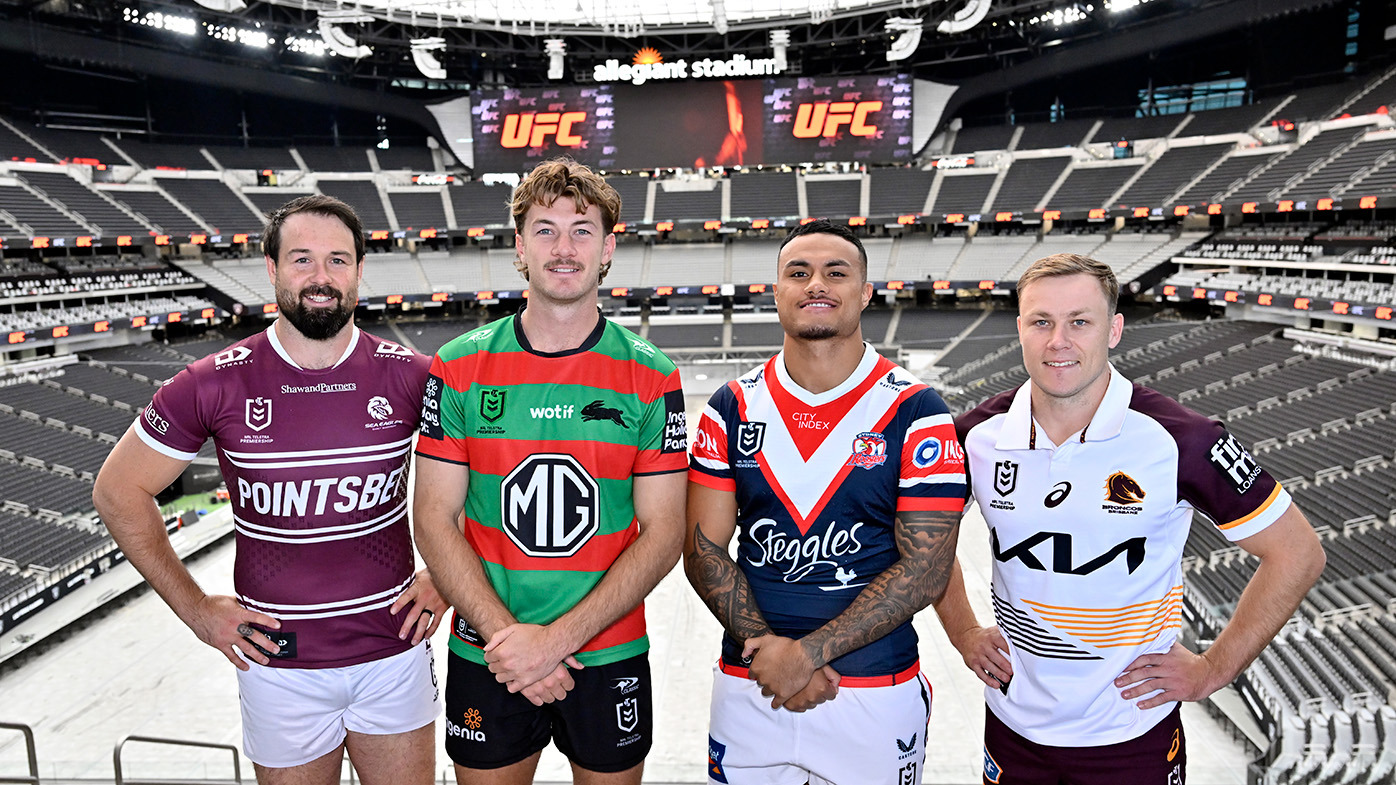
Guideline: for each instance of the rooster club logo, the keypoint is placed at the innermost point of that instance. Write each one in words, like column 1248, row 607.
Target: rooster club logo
column 869, row 450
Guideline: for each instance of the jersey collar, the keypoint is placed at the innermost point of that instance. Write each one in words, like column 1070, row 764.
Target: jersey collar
column 281, row 350
column 865, row 366
column 1021, row 433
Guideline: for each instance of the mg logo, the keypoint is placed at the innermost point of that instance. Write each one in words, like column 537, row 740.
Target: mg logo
column 824, row 119
column 550, row 505
column 531, row 130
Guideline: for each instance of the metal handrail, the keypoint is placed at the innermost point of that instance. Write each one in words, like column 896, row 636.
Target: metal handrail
column 33, row 778
column 121, row 780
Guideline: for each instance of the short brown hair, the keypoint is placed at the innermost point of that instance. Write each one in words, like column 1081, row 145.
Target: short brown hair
column 560, row 177
column 317, row 204
column 1063, row 264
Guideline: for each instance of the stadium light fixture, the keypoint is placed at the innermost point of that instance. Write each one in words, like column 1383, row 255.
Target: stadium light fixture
column 780, row 42
column 175, row 24
column 314, row 47
column 972, row 13
column 423, row 58
column 226, row 6
column 339, row 41
column 556, row 50
column 256, row 39
column 908, row 32
column 720, row 16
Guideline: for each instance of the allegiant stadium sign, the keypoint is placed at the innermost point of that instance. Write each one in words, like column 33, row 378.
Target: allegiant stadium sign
column 737, row 66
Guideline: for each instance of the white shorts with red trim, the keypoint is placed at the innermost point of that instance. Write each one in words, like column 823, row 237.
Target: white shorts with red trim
column 291, row 716
column 866, row 735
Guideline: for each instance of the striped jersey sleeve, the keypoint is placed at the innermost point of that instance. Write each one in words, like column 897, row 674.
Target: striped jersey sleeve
column 709, row 465
column 932, row 460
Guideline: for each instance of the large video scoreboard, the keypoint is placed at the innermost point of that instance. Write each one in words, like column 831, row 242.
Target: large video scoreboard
column 733, row 122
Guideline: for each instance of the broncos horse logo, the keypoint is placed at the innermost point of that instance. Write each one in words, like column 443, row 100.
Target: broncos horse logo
column 598, row 410
column 1121, row 488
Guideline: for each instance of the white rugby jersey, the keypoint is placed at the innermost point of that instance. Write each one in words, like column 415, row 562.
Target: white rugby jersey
column 1087, row 539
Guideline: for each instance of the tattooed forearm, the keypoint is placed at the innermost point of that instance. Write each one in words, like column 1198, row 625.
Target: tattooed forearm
column 723, row 587
column 927, row 544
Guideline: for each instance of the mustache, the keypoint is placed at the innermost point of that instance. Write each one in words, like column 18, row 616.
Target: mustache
column 323, row 290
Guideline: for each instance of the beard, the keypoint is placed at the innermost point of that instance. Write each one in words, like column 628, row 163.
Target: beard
column 817, row 332
column 317, row 324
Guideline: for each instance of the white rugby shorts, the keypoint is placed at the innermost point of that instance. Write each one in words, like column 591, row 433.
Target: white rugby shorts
column 291, row 716
column 864, row 736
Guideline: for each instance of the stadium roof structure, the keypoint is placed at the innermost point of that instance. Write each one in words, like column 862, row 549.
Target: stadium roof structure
column 634, row 17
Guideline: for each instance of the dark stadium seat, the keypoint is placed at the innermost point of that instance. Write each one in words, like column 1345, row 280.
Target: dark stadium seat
column 766, row 195
column 420, row 209
column 363, row 196
column 834, row 198
column 1027, row 181
column 963, row 193
column 687, row 204
column 890, row 191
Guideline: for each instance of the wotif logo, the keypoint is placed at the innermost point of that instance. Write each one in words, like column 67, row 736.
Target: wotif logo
column 558, row 412
column 534, row 128
column 825, row 119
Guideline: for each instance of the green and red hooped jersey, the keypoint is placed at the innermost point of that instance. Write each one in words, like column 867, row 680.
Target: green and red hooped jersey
column 552, row 442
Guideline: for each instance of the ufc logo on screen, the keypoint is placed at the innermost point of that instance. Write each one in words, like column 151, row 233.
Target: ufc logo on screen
column 813, row 120
column 531, row 130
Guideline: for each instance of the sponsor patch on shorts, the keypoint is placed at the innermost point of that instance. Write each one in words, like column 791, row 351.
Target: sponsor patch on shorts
column 716, row 751
column 992, row 772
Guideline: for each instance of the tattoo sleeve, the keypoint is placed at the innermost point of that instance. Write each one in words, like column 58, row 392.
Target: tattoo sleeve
column 927, row 544
column 723, row 588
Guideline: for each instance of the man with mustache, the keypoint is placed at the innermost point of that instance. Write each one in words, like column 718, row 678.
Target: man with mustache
column 313, row 421
column 561, row 435
column 842, row 473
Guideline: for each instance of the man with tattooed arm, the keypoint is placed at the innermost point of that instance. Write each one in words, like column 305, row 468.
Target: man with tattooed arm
column 840, row 474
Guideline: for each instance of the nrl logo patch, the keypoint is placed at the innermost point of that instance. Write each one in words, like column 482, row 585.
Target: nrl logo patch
column 492, row 403
column 750, row 436
column 257, row 413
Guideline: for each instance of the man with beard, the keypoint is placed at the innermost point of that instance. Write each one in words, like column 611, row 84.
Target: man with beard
column 313, row 421
column 843, row 476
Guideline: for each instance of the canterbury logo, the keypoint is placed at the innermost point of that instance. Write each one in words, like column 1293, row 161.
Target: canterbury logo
column 531, row 130
column 825, row 119
column 1121, row 488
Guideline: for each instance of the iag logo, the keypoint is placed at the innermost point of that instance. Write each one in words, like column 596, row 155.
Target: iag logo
column 532, row 129
column 824, row 119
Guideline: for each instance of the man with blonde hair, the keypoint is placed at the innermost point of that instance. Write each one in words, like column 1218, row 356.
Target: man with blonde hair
column 562, row 436
column 1088, row 484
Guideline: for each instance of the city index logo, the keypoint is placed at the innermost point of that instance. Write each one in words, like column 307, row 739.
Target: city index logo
column 534, row 128
column 825, row 119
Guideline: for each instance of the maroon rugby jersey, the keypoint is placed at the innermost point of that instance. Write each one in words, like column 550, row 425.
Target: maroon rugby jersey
column 316, row 464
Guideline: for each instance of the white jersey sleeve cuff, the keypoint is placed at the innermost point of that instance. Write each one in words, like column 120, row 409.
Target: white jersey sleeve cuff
column 1257, row 521
column 161, row 447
